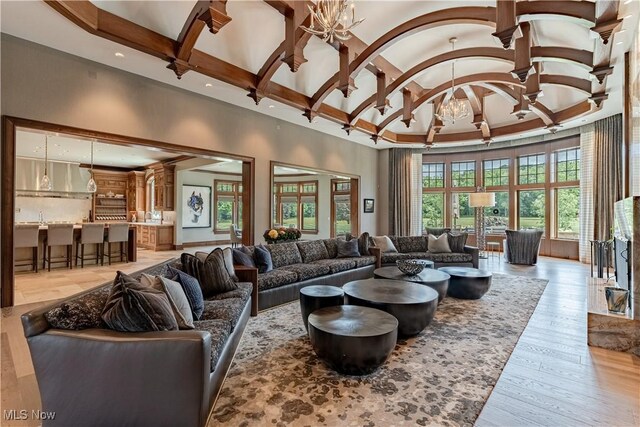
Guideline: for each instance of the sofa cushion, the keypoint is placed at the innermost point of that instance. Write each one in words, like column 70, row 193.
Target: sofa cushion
column 284, row 254
column 363, row 261
column 191, row 289
column 439, row 244
column 407, row 244
column 348, row 248
column 332, row 247
column 437, row 231
column 337, row 265
column 457, row 242
column 133, row 307
column 263, row 259
column 384, row 243
column 243, row 292
column 228, row 309
column 83, row 312
column 307, row 271
column 241, row 257
column 219, row 331
column 312, row 250
column 275, row 279
column 452, row 257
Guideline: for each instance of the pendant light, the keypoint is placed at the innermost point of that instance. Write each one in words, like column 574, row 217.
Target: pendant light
column 454, row 109
column 45, row 182
column 91, row 185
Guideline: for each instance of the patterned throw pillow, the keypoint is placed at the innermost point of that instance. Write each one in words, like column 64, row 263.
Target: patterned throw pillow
column 133, row 307
column 177, row 298
column 439, row 244
column 211, row 273
column 313, row 250
column 457, row 242
column 384, row 243
column 241, row 258
column 347, row 249
column 263, row 259
column 192, row 291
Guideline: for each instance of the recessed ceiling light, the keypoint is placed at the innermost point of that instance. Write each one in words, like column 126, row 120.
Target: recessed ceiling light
column 120, row 54
column 619, row 43
column 628, row 16
column 628, row 1
column 272, row 106
column 208, row 85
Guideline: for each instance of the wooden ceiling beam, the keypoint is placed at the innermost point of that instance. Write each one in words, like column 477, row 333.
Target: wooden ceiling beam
column 582, row 58
column 579, row 12
column 606, row 23
column 532, row 87
column 522, row 61
column 407, row 114
column 506, row 24
column 521, row 109
column 381, row 99
column 345, row 82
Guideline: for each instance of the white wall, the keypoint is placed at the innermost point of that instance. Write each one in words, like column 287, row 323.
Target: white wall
column 44, row 84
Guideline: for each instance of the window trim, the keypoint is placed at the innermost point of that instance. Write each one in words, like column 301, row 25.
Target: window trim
column 237, row 200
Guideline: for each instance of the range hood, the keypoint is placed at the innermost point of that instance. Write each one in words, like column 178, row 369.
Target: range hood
column 67, row 179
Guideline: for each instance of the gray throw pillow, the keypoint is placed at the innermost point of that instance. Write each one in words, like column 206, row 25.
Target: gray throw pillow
column 457, row 242
column 263, row 259
column 133, row 307
column 211, row 273
column 241, row 258
column 347, row 249
column 439, row 244
column 192, row 290
column 384, row 243
column 177, row 298
column 227, row 254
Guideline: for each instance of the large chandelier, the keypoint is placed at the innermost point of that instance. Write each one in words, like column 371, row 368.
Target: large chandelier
column 334, row 19
column 453, row 109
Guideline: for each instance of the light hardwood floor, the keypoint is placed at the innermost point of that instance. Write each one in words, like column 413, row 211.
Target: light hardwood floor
column 552, row 378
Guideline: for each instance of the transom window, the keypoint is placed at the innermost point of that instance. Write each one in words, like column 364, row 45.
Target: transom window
column 496, row 172
column 531, row 169
column 568, row 165
column 463, row 174
column 433, row 175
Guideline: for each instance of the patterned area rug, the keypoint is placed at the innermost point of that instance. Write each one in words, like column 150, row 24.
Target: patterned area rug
column 441, row 377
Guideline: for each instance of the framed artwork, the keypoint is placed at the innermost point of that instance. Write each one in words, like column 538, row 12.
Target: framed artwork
column 196, row 206
column 368, row 205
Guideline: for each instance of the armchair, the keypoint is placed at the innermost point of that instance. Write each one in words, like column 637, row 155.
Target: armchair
column 522, row 247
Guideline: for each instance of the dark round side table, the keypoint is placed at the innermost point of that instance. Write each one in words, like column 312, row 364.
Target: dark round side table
column 315, row 297
column 436, row 280
column 467, row 283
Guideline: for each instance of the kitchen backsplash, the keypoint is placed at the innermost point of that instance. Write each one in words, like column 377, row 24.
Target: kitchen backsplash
column 53, row 209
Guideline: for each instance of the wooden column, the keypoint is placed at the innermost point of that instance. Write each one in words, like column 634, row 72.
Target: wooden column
column 523, row 68
column 345, row 82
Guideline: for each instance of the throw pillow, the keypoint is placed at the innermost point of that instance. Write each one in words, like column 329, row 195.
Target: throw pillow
column 384, row 243
column 133, row 307
column 438, row 244
column 192, row 291
column 347, row 249
column 227, row 255
column 263, row 259
column 437, row 231
column 363, row 244
column 177, row 298
column 241, row 258
column 457, row 242
column 211, row 273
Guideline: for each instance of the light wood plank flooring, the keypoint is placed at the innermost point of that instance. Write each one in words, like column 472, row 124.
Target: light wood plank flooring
column 552, row 378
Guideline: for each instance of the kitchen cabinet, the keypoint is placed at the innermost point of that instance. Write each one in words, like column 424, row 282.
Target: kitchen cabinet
column 164, row 187
column 157, row 237
column 136, row 191
column 110, row 198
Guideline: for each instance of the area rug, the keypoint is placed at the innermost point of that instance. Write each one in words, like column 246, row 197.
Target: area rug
column 441, row 377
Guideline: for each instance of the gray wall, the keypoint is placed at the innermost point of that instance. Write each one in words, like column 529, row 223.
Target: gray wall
column 44, row 84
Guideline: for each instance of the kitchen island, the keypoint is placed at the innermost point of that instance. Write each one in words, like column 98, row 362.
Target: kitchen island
column 154, row 235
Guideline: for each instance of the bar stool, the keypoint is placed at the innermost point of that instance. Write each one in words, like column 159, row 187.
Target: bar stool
column 26, row 236
column 58, row 235
column 91, row 234
column 117, row 233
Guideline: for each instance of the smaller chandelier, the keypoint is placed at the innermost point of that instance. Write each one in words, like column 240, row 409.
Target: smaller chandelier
column 335, row 18
column 453, row 109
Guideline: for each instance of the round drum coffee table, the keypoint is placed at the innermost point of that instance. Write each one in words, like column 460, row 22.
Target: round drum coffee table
column 467, row 283
column 413, row 305
column 353, row 340
column 318, row 296
column 436, row 280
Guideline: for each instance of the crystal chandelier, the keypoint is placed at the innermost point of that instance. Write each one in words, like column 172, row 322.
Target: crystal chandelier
column 91, row 185
column 453, row 109
column 334, row 20
column 45, row 182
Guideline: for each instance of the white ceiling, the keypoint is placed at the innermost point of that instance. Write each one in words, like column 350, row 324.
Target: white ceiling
column 257, row 29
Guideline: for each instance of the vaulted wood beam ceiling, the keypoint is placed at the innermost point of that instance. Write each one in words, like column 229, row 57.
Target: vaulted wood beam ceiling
column 607, row 23
column 506, row 24
column 109, row 26
column 523, row 67
column 212, row 13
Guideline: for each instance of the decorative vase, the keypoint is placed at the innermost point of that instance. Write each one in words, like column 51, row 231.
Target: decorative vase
column 617, row 299
column 411, row 267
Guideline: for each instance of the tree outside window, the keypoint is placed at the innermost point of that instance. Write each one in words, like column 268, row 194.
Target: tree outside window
column 227, row 205
column 295, row 205
column 432, row 195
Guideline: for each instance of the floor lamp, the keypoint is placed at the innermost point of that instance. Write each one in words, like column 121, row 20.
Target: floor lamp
column 481, row 200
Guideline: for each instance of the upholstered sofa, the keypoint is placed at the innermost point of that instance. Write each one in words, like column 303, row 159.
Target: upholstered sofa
column 300, row 264
column 416, row 247
column 100, row 377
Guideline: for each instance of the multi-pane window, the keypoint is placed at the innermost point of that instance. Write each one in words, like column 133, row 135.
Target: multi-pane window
column 433, row 175
column 462, row 215
column 531, row 169
column 340, row 207
column 227, row 204
column 497, row 217
column 463, row 174
column 432, row 210
column 531, row 209
column 496, row 172
column 296, row 205
column 568, row 165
